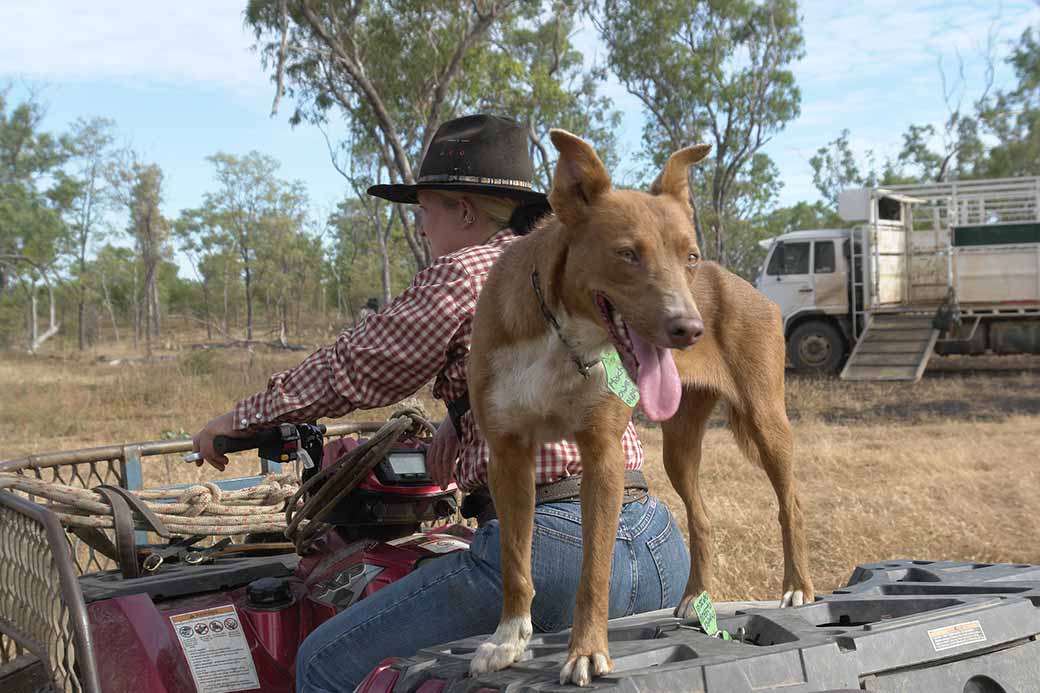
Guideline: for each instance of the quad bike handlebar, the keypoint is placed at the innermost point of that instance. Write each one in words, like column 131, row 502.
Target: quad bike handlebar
column 280, row 443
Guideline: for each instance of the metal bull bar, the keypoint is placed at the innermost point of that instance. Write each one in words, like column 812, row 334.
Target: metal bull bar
column 44, row 635
column 41, row 605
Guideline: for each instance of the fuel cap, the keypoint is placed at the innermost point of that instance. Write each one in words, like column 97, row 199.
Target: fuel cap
column 269, row 592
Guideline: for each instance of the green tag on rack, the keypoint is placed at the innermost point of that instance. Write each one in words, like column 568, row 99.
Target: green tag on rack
column 706, row 614
column 618, row 381
column 708, row 618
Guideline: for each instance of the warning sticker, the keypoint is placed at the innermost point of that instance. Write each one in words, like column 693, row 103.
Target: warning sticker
column 404, row 540
column 216, row 649
column 444, row 545
column 956, row 635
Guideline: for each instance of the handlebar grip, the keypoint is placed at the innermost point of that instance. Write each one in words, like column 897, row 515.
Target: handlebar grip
column 225, row 444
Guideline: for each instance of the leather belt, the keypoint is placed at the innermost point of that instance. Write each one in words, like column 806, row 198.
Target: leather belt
column 479, row 504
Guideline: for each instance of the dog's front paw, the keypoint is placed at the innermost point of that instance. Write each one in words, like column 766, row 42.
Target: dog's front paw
column 580, row 667
column 793, row 598
column 503, row 648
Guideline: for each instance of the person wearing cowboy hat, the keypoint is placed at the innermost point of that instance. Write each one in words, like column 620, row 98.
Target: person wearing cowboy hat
column 475, row 193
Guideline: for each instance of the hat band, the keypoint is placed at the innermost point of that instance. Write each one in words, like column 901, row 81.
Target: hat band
column 445, row 178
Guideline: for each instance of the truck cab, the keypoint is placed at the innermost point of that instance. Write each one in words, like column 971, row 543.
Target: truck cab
column 949, row 268
column 806, row 274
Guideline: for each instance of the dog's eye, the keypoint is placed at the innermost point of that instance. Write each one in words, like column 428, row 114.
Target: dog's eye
column 629, row 255
column 692, row 259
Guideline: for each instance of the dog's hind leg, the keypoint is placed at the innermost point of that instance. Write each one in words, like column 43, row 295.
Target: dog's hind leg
column 511, row 478
column 683, row 437
column 764, row 433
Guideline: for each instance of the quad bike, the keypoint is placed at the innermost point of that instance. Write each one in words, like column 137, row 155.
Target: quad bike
column 230, row 616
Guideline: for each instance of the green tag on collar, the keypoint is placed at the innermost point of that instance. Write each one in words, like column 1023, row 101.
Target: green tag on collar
column 709, row 620
column 618, row 381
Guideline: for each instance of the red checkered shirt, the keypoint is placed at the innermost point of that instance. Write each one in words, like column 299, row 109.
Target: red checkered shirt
column 424, row 333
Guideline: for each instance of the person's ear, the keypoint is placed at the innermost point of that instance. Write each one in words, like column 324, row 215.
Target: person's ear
column 467, row 211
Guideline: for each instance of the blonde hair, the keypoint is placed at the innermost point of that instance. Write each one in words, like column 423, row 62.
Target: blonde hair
column 497, row 208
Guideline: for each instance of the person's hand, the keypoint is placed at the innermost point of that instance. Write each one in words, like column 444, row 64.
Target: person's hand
column 444, row 450
column 202, row 443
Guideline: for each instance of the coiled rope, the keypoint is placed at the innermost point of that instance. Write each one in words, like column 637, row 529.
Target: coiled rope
column 276, row 504
column 305, row 520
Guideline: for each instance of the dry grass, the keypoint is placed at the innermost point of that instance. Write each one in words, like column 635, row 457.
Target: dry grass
column 942, row 469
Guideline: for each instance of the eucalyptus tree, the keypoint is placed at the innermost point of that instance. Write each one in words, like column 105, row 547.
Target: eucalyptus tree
column 391, row 72
column 90, row 156
column 33, row 198
column 138, row 186
column 1013, row 115
column 716, row 71
column 254, row 216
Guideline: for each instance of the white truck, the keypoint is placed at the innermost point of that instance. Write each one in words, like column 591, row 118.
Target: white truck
column 947, row 267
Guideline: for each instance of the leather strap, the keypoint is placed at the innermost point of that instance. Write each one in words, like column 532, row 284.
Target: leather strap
column 121, row 501
column 151, row 519
column 97, row 540
column 123, row 521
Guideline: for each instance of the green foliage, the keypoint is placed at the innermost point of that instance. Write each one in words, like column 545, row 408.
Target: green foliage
column 1014, row 116
column 253, row 227
column 30, row 214
column 199, row 363
column 384, row 75
column 393, row 71
column 713, row 71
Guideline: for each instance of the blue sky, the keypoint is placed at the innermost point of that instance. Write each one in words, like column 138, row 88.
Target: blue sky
column 181, row 81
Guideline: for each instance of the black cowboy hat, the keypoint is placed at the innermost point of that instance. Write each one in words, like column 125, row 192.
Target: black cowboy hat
column 479, row 154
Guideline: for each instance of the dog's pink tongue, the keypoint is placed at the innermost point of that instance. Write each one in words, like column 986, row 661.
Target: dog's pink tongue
column 658, row 379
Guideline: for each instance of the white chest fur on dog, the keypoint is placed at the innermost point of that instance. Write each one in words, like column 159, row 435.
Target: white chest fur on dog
column 536, row 385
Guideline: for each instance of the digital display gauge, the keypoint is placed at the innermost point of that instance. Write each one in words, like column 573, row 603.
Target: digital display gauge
column 407, row 463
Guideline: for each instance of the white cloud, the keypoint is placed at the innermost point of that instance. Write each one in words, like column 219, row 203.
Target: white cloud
column 184, row 42
column 871, row 67
column 898, row 40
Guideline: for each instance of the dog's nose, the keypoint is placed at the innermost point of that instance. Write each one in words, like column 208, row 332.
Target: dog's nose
column 684, row 331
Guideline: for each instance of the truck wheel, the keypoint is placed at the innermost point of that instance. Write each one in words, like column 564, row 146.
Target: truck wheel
column 816, row 347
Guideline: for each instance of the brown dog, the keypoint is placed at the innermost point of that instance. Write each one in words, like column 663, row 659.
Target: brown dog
column 619, row 268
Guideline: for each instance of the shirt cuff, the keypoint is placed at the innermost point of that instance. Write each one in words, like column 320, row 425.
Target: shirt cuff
column 249, row 413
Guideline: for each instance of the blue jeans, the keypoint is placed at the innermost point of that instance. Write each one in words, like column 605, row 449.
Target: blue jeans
column 459, row 595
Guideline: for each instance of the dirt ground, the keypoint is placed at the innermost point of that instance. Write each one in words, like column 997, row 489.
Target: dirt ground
column 946, row 468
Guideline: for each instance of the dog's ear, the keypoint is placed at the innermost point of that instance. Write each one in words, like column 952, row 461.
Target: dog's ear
column 579, row 179
column 672, row 180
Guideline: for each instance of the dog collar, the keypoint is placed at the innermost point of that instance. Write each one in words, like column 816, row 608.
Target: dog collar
column 583, row 366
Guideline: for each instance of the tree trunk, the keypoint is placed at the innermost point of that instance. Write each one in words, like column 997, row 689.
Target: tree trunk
column 149, row 277
column 108, row 304
column 283, row 323
column 227, row 324
column 205, row 308
column 249, row 304
column 35, row 338
column 33, row 323
column 82, row 289
column 719, row 243
column 155, row 307
column 384, row 262
column 82, row 327
column 137, row 311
